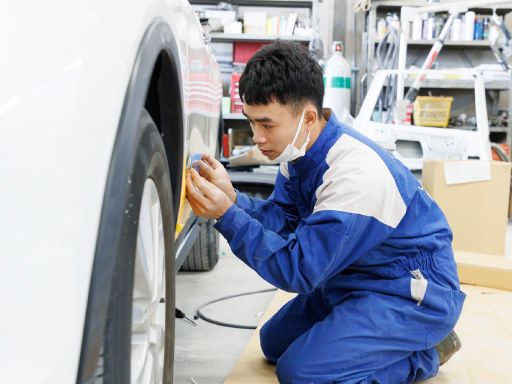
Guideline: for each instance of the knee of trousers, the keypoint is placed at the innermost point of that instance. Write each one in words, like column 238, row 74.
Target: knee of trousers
column 268, row 344
column 290, row 369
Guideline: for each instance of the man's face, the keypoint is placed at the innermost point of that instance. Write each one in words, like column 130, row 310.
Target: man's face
column 273, row 126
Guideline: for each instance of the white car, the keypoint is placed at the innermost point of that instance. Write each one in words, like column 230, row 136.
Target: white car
column 102, row 103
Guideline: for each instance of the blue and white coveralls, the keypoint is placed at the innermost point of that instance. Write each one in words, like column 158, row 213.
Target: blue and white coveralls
column 351, row 230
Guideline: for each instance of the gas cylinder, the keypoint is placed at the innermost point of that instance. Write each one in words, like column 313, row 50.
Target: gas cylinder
column 337, row 79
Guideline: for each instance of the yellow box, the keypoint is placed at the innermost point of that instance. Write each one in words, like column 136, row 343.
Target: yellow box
column 432, row 111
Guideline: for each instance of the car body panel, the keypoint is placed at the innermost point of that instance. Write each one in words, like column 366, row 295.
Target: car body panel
column 65, row 69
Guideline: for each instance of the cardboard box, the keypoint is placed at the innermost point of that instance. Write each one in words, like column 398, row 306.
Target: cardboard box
column 484, row 270
column 255, row 23
column 474, row 196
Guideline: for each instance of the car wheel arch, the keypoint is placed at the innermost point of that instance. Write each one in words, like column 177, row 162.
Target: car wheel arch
column 158, row 47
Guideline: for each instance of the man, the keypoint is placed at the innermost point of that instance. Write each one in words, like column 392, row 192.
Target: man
column 348, row 228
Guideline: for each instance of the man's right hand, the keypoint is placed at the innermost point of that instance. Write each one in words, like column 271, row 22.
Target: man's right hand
column 212, row 170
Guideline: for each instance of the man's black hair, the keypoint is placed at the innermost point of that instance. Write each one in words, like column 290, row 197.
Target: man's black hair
column 283, row 72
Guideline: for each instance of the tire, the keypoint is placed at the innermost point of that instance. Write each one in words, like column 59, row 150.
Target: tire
column 126, row 321
column 204, row 255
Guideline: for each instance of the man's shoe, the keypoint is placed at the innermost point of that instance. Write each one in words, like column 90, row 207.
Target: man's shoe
column 447, row 347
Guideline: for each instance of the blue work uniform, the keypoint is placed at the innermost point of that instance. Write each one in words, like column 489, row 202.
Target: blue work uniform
column 351, row 230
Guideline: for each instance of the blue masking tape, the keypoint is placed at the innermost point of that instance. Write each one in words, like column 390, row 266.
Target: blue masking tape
column 194, row 161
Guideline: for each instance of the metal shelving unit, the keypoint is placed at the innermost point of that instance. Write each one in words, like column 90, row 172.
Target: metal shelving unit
column 384, row 6
column 499, row 129
column 227, row 38
column 394, row 4
column 248, row 177
column 238, row 121
column 450, row 43
column 259, row 3
column 460, row 84
column 234, row 116
column 451, row 49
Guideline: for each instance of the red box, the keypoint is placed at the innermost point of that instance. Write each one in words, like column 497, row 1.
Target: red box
column 243, row 51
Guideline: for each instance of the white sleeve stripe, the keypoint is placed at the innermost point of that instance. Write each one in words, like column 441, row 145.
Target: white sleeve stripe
column 358, row 181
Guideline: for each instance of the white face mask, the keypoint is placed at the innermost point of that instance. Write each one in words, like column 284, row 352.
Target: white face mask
column 291, row 152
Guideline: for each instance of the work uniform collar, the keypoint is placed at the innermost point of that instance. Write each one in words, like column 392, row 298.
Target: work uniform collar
column 318, row 151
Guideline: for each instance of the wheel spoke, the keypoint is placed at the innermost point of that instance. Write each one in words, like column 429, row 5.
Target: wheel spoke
column 144, row 258
column 158, row 247
column 148, row 314
column 139, row 353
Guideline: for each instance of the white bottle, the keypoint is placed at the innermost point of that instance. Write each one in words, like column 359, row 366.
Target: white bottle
column 469, row 25
column 431, row 27
column 417, row 28
column 456, row 29
column 337, row 81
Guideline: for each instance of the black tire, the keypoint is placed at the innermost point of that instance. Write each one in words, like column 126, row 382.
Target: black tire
column 204, row 255
column 150, row 161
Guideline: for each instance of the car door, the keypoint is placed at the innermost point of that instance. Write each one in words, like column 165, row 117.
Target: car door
column 202, row 94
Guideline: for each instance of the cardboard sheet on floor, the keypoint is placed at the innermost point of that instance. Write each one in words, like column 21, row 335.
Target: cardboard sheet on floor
column 251, row 367
column 485, row 270
column 485, row 329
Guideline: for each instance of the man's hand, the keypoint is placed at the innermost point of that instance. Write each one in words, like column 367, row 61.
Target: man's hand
column 205, row 198
column 212, row 170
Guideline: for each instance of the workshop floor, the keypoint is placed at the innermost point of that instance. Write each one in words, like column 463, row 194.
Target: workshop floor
column 206, row 353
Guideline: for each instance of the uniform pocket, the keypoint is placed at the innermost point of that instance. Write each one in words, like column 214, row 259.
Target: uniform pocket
column 448, row 306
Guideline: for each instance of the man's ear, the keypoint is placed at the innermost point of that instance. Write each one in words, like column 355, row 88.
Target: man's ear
column 311, row 118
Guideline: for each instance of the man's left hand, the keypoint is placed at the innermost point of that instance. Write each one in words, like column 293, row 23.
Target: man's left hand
column 205, row 198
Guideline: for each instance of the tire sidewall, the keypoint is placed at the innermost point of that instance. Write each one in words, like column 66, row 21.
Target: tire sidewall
column 149, row 161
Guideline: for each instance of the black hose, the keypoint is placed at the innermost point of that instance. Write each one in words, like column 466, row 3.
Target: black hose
column 199, row 314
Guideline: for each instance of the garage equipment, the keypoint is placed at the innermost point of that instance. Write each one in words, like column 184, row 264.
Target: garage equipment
column 501, row 44
column 414, row 144
column 432, row 111
column 337, row 78
column 181, row 315
column 408, row 14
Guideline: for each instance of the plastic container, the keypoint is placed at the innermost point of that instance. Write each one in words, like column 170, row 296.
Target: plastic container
column 479, row 29
column 469, row 25
column 431, row 27
column 432, row 111
column 417, row 28
column 487, row 23
column 456, row 29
